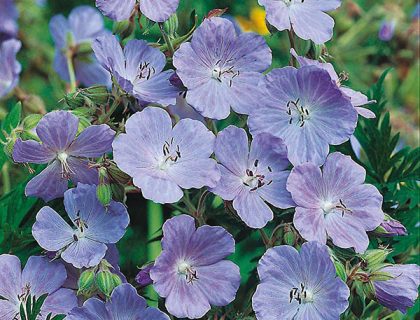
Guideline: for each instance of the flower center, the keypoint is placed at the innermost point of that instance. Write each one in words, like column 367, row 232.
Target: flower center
column 290, row 2
column 66, row 171
column 255, row 177
column 298, row 113
column 171, row 154
column 185, row 269
column 26, row 290
column 328, row 206
column 81, row 227
column 145, row 71
column 301, row 294
column 225, row 73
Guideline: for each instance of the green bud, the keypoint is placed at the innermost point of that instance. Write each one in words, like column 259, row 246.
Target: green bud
column 75, row 99
column 124, row 28
column 380, row 276
column 171, row 26
column 84, row 48
column 340, row 270
column 10, row 143
column 116, row 279
column 117, row 175
column 105, row 282
column 103, row 190
column 31, row 121
column 375, row 257
column 86, row 280
column 289, row 237
column 98, row 94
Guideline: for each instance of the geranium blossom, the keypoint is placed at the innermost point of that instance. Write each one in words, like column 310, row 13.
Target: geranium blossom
column 138, row 69
column 307, row 18
column 9, row 67
column 83, row 25
column 65, row 153
column 334, row 201
column 306, row 110
column 251, row 176
column 299, row 285
column 39, row 277
column 191, row 272
column 221, row 69
column 93, row 226
column 125, row 303
column 162, row 159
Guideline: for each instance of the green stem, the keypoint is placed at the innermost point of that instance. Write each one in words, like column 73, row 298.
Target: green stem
column 154, row 225
column 291, row 35
column 264, row 238
column 106, row 116
column 6, row 178
column 72, row 74
column 167, row 40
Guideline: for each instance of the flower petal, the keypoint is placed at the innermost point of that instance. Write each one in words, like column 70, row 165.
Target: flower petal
column 84, row 253
column 93, row 142
column 49, row 184
column 194, row 173
column 57, row 129
column 115, row 10
column 229, row 185
column 252, row 209
column 158, row 189
column 276, row 193
column 109, row 53
column 81, row 172
column 158, row 10
column 51, row 231
column 10, row 278
column 60, row 302
column 32, row 152
column 86, row 23
column 43, row 276
column 310, row 224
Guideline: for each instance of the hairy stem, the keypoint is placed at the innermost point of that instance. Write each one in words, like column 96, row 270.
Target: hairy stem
column 167, row 40
column 70, row 67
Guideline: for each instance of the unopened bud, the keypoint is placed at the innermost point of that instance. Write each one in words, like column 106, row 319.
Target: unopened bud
column 98, row 94
column 390, row 228
column 86, row 280
column 123, row 28
column 31, row 121
column 289, row 237
column 171, row 26
column 103, row 190
column 116, row 279
column 105, row 282
column 340, row 270
column 375, row 257
column 143, row 277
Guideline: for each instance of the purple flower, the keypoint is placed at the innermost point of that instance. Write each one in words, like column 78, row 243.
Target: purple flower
column 335, row 202
column 125, row 303
column 400, row 292
column 387, row 30
column 357, row 98
column 8, row 20
column 143, row 277
column 65, row 152
column 307, row 18
column 94, row 226
column 191, row 272
column 155, row 10
column 183, row 110
column 9, row 67
column 137, row 69
column 306, row 110
column 299, row 285
column 76, row 34
column 39, row 277
column 162, row 159
column 221, row 69
column 251, row 177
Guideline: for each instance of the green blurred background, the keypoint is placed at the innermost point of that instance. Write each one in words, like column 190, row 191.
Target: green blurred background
column 355, row 49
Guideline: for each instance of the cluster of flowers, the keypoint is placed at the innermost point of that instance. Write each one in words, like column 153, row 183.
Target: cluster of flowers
column 294, row 115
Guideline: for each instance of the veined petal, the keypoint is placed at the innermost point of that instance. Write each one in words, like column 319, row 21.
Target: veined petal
column 32, row 152
column 116, row 9
column 84, row 253
column 10, row 278
column 158, row 10
column 93, row 142
column 252, row 209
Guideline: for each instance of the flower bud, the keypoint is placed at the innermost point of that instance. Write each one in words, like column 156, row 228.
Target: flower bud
column 103, row 190
column 75, row 99
column 143, row 277
column 84, row 48
column 123, row 28
column 116, row 279
column 375, row 258
column 289, row 237
column 31, row 121
column 98, row 94
column 10, row 143
column 105, row 282
column 390, row 228
column 86, row 281
column 171, row 26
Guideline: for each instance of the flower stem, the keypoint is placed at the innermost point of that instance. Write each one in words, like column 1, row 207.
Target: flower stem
column 167, row 40
column 6, row 178
column 291, row 35
column 70, row 67
column 154, row 225
column 264, row 238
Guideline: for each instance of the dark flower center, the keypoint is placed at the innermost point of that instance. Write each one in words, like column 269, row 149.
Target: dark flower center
column 225, row 72
column 81, row 227
column 171, row 154
column 298, row 113
column 300, row 294
column 25, row 293
column 145, row 71
column 255, row 177
column 188, row 271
